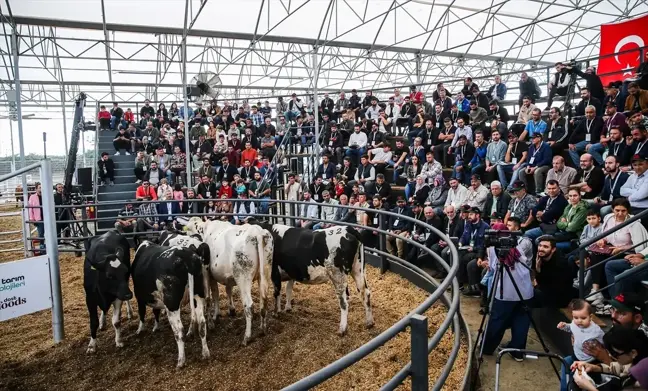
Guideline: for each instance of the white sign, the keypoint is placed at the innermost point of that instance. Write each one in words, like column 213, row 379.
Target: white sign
column 24, row 287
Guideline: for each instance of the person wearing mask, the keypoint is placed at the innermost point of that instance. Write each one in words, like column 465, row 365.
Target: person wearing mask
column 438, row 195
column 498, row 90
column 154, row 175
column 539, row 164
column 477, row 193
column 614, row 181
column 471, row 244
column 497, row 201
column 611, row 141
column 589, row 178
column 547, row 211
column 106, row 170
column 535, row 125
column 399, row 227
column 587, row 133
column 464, row 153
column 636, row 187
column 553, row 284
column 495, row 154
column 521, row 205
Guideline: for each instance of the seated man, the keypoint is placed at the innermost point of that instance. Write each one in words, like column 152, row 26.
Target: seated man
column 178, row 165
column 399, row 227
column 334, row 144
column 328, row 211
column 154, row 175
column 587, row 133
column 307, row 211
column 106, row 170
column 464, row 152
column 357, row 143
column 398, row 160
column 471, row 245
column 380, row 157
column 326, row 170
column 589, row 178
column 122, row 141
column 260, row 190
column 539, row 164
column 515, row 161
column 145, row 191
column 381, row 189
column 126, row 219
column 365, row 174
column 477, row 193
column 560, row 173
column 636, row 187
column 206, row 189
column 521, row 206
column 548, row 210
column 147, row 218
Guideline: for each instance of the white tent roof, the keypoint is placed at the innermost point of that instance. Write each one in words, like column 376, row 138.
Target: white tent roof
column 265, row 47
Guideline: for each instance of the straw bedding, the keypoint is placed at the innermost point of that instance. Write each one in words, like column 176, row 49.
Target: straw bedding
column 297, row 344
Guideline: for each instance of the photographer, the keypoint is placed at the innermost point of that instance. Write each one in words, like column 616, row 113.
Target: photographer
column 508, row 308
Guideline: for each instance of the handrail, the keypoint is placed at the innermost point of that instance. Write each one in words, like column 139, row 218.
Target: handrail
column 95, row 167
column 452, row 316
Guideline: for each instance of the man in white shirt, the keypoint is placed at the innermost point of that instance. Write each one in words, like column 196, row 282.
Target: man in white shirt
column 308, row 211
column 372, row 112
column 379, row 158
column 457, row 194
column 636, row 187
column 477, row 193
column 357, row 144
column 431, row 169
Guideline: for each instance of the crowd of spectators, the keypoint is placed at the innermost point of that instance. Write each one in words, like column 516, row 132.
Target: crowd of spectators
column 463, row 164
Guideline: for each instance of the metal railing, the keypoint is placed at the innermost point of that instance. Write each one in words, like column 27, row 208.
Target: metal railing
column 415, row 320
column 582, row 252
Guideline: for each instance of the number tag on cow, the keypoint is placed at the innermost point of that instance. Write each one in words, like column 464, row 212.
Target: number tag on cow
column 514, row 160
column 375, row 220
column 532, row 160
column 588, row 137
column 396, row 222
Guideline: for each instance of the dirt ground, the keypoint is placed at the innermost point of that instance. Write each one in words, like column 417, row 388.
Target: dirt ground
column 297, row 344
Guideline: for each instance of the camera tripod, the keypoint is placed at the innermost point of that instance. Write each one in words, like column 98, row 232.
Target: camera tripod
column 498, row 278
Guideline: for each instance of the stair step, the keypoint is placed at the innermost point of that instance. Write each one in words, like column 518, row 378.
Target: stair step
column 118, row 159
column 124, row 179
column 119, row 187
column 117, row 196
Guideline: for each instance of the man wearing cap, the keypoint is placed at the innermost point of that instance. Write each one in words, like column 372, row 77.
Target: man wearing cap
column 477, row 193
column 399, row 227
column 539, row 163
column 636, row 187
column 471, row 246
column 497, row 201
column 614, row 130
column 521, row 205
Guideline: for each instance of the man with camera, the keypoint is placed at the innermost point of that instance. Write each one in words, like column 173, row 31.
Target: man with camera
column 512, row 291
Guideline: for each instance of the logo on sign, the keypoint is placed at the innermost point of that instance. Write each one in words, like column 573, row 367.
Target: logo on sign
column 7, row 284
column 11, row 302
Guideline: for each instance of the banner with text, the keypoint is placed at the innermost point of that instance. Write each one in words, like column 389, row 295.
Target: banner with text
column 24, row 287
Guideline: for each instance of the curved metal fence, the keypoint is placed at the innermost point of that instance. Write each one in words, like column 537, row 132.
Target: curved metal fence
column 417, row 367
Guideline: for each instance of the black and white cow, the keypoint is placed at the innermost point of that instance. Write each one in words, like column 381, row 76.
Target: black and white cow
column 106, row 271
column 240, row 255
column 160, row 275
column 315, row 257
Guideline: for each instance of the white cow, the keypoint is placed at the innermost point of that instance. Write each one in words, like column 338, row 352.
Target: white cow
column 239, row 255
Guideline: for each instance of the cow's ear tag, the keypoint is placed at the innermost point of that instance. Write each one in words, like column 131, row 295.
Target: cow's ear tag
column 185, row 228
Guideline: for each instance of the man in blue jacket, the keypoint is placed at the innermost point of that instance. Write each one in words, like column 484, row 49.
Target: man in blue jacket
column 540, row 157
column 471, row 246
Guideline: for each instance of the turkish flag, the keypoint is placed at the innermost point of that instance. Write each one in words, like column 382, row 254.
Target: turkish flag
column 622, row 36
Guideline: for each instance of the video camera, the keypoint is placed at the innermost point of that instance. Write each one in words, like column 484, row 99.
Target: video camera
column 502, row 241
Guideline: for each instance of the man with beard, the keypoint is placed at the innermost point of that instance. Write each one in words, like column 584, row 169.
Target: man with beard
column 636, row 144
column 552, row 281
column 444, row 139
column 426, row 237
column 535, row 125
column 539, row 163
column 589, row 179
column 636, row 187
column 556, row 135
column 637, row 99
column 587, row 132
column 587, row 100
column 471, row 245
column 562, row 174
column 614, row 180
column 497, row 202
column 611, row 121
column 452, row 225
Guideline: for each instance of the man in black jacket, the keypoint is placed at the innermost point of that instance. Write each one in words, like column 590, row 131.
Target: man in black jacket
column 399, row 227
column 106, row 169
column 426, row 237
column 116, row 114
column 587, row 133
column 528, row 87
column 206, row 189
column 553, row 286
column 227, row 171
column 497, row 201
column 334, row 144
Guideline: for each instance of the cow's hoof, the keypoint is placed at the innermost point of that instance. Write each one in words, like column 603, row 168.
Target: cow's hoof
column 288, row 308
column 369, row 324
column 205, row 354
column 119, row 344
column 245, row 341
column 232, row 312
column 180, row 364
column 91, row 350
column 342, row 332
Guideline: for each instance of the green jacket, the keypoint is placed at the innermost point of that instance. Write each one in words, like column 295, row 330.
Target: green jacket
column 573, row 221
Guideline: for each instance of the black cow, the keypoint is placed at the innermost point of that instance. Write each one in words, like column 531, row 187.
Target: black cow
column 160, row 275
column 315, row 257
column 106, row 271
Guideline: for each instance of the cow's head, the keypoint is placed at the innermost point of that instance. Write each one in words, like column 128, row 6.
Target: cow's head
column 202, row 251
column 116, row 274
column 194, row 226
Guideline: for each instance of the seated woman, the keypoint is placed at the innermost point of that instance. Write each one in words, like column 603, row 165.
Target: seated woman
column 223, row 208
column 438, row 195
column 210, row 211
column 571, row 223
column 412, row 170
column 421, row 191
column 163, row 187
column 616, row 243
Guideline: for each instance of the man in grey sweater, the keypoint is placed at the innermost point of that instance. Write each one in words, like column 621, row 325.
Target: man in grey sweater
column 495, row 153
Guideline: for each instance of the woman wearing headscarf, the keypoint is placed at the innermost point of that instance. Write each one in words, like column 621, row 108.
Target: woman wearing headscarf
column 438, row 195
column 421, row 190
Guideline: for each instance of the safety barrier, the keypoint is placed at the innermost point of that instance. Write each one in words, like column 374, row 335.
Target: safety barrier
column 415, row 320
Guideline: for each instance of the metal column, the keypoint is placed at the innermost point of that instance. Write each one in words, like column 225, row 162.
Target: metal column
column 21, row 144
column 316, row 147
column 184, row 93
column 418, row 69
column 65, row 139
column 51, row 247
column 419, row 352
column 13, row 154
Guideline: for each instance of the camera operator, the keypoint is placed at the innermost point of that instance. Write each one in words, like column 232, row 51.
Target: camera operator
column 508, row 308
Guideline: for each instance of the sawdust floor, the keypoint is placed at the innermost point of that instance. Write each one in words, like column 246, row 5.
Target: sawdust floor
column 297, row 344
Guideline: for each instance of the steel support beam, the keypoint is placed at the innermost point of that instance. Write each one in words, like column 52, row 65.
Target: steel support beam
column 107, row 46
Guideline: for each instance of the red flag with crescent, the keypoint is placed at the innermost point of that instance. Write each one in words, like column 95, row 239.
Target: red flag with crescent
column 618, row 37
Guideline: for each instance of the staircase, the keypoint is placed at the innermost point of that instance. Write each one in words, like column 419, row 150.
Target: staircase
column 124, row 188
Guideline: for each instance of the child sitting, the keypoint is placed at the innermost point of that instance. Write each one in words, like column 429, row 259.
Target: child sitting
column 584, row 333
